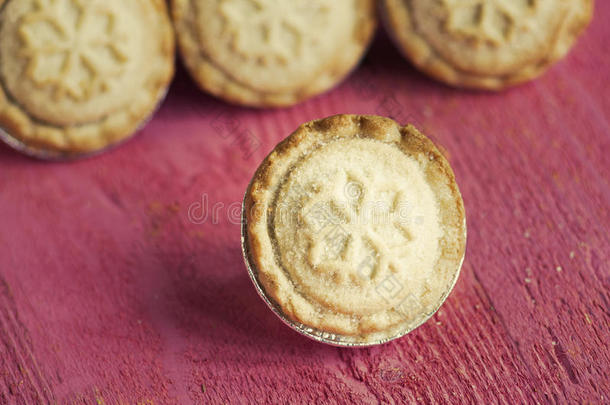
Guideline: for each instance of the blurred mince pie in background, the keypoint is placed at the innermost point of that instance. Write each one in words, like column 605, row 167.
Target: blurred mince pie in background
column 272, row 53
column 78, row 76
column 485, row 44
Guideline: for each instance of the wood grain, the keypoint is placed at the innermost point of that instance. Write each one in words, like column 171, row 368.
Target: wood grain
column 115, row 288
column 21, row 376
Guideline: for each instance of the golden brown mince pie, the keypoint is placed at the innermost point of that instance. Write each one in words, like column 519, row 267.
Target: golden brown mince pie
column 77, row 76
column 487, row 44
column 269, row 53
column 354, row 229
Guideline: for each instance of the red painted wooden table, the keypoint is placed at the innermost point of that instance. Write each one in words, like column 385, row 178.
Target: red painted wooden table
column 122, row 280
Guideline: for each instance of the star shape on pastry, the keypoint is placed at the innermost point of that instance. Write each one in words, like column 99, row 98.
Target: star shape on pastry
column 276, row 20
column 357, row 238
column 484, row 25
column 79, row 55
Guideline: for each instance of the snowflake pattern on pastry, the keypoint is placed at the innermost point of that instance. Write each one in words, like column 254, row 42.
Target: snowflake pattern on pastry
column 490, row 21
column 282, row 25
column 356, row 230
column 73, row 46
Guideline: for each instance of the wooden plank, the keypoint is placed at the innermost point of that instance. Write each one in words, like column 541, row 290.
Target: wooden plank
column 115, row 288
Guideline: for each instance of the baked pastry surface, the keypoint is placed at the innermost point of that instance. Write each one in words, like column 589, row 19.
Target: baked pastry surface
column 270, row 53
column 355, row 227
column 77, row 76
column 487, row 44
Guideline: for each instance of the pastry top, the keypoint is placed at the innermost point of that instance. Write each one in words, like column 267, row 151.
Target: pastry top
column 486, row 44
column 271, row 52
column 356, row 227
column 77, row 75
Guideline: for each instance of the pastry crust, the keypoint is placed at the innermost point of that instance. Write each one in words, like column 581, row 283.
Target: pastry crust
column 344, row 305
column 59, row 116
column 514, row 45
column 249, row 80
